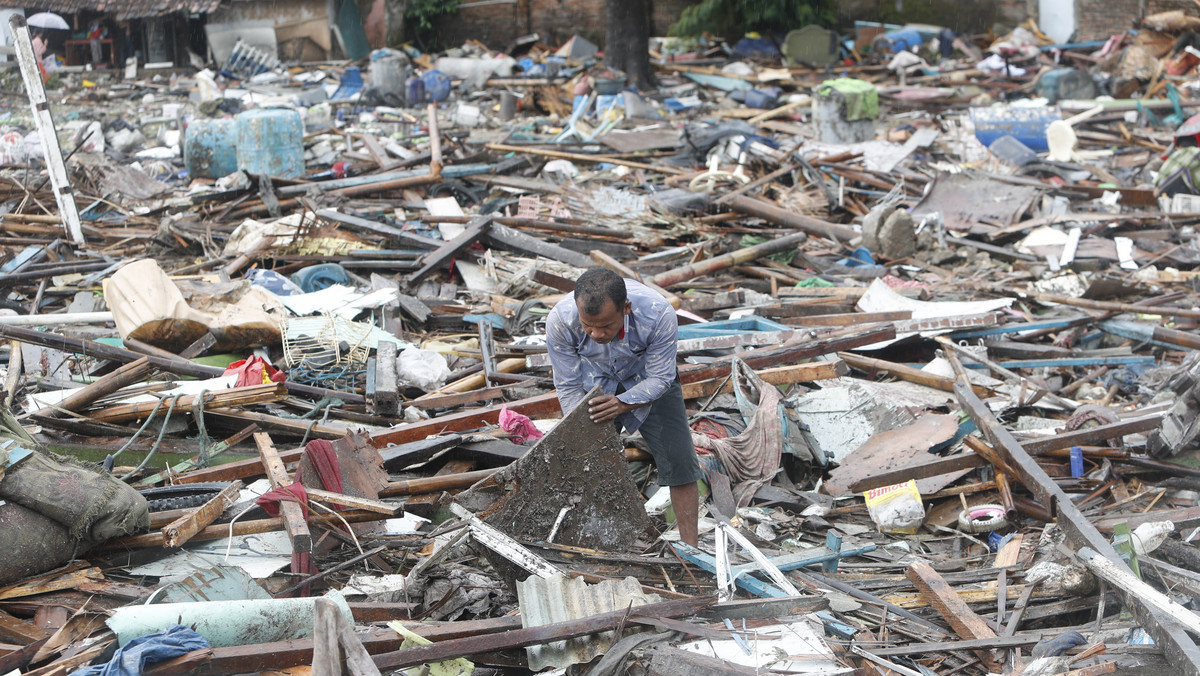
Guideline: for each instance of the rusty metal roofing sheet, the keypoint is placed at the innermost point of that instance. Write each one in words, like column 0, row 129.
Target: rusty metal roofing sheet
column 121, row 9
column 558, row 599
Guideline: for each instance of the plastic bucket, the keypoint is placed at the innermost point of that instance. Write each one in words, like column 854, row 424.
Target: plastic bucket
column 270, row 141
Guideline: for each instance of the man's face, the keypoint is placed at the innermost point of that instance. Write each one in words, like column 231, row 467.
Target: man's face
column 603, row 326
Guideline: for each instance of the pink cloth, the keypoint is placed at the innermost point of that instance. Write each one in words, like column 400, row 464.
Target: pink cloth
column 519, row 426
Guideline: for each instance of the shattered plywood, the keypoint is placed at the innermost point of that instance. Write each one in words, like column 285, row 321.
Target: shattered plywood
column 573, row 484
column 895, row 449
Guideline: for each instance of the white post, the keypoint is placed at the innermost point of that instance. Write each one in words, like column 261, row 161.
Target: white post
column 45, row 128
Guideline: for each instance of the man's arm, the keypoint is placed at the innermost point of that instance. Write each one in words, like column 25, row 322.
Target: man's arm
column 566, row 363
column 660, row 363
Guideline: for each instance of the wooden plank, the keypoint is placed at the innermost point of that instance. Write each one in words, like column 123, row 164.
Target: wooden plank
column 396, row 458
column 1090, row 436
column 783, row 375
column 954, row 463
column 365, row 504
column 848, row 319
column 876, row 367
column 297, row 426
column 291, row 513
column 850, row 292
column 14, row 630
column 386, row 399
column 541, row 406
column 415, row 309
column 51, row 582
column 435, row 259
column 378, row 154
column 244, row 527
column 514, row 240
column 943, row 598
column 179, row 531
column 458, row 399
column 520, row 638
column 786, row 354
column 236, row 396
column 326, row 658
column 427, row 503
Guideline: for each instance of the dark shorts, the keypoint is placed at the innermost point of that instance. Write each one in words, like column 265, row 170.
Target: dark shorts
column 667, row 434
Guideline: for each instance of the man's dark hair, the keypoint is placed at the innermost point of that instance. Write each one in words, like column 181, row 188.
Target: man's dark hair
column 596, row 287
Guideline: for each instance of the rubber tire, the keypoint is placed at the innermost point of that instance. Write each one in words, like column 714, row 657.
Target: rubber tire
column 183, row 496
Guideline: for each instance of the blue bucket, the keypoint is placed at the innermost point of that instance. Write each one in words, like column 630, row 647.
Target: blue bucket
column 1027, row 125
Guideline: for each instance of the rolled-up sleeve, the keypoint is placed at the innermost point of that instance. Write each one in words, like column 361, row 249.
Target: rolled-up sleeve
column 660, row 362
column 566, row 362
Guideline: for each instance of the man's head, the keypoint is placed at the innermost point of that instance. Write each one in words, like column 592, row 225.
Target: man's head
column 600, row 297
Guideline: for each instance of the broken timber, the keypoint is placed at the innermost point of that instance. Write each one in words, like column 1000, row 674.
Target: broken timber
column 1178, row 648
column 291, row 513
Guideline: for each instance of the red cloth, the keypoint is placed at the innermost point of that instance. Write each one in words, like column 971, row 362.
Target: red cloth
column 324, row 460
column 293, row 492
column 254, row 371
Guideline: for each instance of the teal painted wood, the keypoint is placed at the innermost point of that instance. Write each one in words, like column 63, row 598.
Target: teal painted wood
column 270, row 141
column 210, row 148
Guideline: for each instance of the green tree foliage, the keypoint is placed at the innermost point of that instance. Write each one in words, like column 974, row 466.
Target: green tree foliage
column 421, row 14
column 732, row 19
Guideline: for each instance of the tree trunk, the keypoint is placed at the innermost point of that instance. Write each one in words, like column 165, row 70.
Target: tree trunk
column 627, row 41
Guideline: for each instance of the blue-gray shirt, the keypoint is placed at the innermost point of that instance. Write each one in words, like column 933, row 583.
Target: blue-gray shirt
column 642, row 359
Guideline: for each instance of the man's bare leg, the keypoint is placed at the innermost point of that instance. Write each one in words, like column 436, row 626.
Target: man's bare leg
column 686, row 501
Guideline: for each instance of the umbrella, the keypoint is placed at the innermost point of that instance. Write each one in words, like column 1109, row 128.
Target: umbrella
column 47, row 20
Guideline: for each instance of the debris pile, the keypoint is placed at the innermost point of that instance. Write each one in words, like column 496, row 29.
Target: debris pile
column 278, row 388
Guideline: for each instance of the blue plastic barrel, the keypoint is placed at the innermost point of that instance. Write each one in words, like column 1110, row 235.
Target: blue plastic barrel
column 1027, row 125
column 270, row 141
column 437, row 85
column 210, row 148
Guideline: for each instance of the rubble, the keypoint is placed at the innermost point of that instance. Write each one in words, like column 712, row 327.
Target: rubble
column 277, row 393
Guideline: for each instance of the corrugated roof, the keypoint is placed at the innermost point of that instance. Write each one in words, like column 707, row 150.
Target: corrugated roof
column 558, row 599
column 121, row 9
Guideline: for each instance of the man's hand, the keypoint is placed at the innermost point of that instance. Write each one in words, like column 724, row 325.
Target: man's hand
column 607, row 407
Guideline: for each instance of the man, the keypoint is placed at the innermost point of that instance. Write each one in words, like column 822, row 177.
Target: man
column 619, row 334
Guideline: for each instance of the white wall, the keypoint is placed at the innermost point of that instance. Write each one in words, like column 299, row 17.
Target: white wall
column 1056, row 18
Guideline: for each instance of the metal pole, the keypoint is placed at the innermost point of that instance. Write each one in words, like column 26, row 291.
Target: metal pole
column 44, row 123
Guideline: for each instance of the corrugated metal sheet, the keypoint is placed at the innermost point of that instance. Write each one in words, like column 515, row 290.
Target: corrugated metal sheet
column 121, row 9
column 558, row 599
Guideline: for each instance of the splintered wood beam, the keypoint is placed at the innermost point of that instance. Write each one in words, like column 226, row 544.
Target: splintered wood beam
column 291, row 513
column 521, row 638
column 125, row 375
column 783, row 375
column 943, row 598
column 435, row 259
column 365, row 504
column 185, row 527
column 541, row 406
column 788, row 353
column 874, row 367
column 252, row 527
column 14, row 630
column 937, row 467
column 236, row 396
